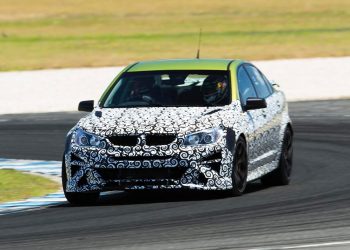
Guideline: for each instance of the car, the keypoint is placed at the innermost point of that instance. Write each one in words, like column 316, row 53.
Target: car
column 202, row 124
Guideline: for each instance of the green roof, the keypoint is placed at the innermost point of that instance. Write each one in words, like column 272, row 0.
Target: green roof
column 181, row 64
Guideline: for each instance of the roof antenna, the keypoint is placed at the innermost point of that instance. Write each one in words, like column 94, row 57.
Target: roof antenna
column 199, row 43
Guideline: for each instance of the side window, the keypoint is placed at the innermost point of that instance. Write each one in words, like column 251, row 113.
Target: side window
column 245, row 86
column 269, row 85
column 258, row 81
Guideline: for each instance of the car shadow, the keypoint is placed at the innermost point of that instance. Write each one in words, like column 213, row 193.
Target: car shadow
column 156, row 196
column 255, row 187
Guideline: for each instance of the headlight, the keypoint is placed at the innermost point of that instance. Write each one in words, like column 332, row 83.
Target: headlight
column 204, row 137
column 83, row 138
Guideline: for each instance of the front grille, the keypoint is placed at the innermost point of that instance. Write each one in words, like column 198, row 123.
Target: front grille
column 141, row 173
column 160, row 139
column 141, row 158
column 124, row 140
column 151, row 139
column 132, row 183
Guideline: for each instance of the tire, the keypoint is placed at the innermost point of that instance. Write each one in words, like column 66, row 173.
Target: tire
column 281, row 175
column 240, row 168
column 78, row 199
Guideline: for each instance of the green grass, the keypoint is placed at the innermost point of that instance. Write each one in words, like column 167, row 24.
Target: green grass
column 71, row 33
column 15, row 185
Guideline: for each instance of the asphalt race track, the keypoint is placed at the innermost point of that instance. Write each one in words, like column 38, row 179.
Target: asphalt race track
column 313, row 209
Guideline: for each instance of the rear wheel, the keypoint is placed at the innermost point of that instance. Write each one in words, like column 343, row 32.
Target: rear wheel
column 240, row 168
column 281, row 175
column 77, row 198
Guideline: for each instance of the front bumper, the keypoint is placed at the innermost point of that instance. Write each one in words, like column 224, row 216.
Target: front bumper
column 170, row 166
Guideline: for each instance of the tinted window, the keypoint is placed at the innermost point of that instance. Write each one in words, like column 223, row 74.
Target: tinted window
column 245, row 86
column 269, row 85
column 170, row 88
column 258, row 81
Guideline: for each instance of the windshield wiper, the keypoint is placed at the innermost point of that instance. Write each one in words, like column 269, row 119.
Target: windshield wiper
column 133, row 105
column 213, row 111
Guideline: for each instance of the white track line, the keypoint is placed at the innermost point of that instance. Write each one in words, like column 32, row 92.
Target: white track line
column 315, row 245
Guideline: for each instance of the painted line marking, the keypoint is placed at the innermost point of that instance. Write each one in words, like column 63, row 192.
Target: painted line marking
column 315, row 245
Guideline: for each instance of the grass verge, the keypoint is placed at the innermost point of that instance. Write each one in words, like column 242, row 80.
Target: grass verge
column 72, row 33
column 15, row 185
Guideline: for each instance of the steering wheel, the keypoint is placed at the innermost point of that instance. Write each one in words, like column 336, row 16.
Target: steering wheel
column 148, row 99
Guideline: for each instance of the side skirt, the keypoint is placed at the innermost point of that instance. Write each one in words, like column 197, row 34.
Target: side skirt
column 262, row 170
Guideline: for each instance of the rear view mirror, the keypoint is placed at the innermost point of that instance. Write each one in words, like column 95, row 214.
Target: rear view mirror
column 86, row 106
column 255, row 103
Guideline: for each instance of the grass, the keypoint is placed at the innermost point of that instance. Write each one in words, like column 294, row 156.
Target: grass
column 15, row 185
column 72, row 33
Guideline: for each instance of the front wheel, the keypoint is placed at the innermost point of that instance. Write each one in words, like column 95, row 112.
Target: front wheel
column 281, row 175
column 77, row 198
column 240, row 168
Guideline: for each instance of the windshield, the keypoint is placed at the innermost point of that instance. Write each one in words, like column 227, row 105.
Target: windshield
column 169, row 88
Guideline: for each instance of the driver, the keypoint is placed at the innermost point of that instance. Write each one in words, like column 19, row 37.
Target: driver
column 215, row 89
column 135, row 89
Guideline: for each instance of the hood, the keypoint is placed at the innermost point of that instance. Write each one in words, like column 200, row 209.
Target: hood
column 106, row 122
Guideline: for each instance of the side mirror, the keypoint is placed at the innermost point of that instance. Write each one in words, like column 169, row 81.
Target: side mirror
column 274, row 84
column 86, row 106
column 255, row 103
